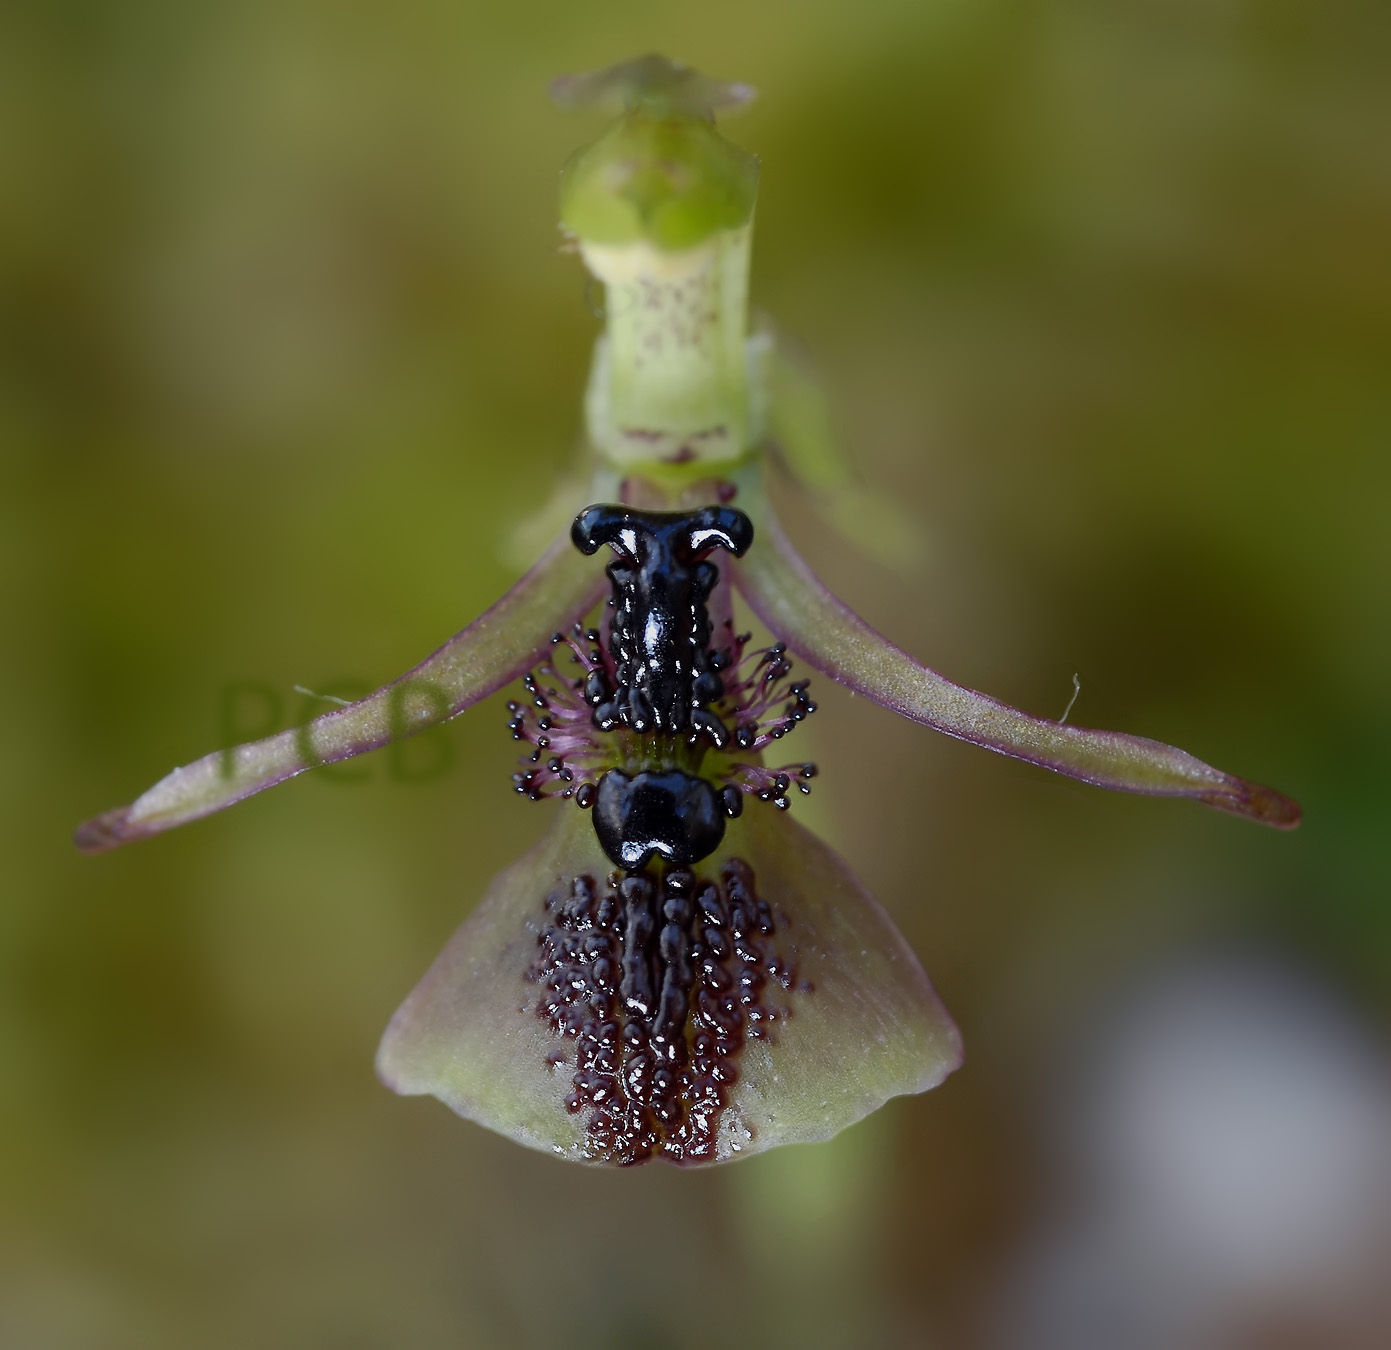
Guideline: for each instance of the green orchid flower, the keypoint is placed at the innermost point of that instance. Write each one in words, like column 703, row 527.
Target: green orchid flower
column 668, row 974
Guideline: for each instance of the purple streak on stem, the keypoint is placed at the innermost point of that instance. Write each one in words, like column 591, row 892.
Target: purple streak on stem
column 497, row 647
column 787, row 596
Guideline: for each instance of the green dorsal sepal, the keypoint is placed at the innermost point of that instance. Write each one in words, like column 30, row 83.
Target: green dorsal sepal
column 661, row 208
column 671, row 181
column 660, row 174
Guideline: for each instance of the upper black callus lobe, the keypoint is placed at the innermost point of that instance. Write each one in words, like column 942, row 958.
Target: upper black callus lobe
column 659, row 634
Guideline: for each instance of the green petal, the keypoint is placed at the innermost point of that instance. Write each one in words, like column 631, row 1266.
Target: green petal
column 833, row 639
column 468, row 1033
column 864, row 1024
column 494, row 649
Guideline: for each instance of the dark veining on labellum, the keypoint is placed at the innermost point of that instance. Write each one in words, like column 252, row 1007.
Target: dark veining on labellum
column 658, row 980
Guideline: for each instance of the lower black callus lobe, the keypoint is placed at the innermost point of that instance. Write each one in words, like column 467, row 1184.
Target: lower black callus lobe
column 673, row 816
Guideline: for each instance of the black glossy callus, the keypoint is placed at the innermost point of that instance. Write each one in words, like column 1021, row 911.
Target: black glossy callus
column 659, row 631
column 673, row 816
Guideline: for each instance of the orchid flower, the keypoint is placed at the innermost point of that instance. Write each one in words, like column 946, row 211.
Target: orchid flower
column 670, row 973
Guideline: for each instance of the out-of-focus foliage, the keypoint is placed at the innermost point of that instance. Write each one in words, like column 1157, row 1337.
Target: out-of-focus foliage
column 288, row 349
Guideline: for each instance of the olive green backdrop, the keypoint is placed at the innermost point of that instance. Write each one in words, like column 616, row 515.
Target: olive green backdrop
column 1103, row 293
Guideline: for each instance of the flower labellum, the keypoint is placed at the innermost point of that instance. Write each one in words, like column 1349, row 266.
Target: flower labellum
column 555, row 1017
column 673, row 971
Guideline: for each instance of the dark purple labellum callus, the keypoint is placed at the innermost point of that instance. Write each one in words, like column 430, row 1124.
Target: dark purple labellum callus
column 660, row 982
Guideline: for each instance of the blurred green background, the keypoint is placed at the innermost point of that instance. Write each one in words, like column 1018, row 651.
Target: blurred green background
column 1103, row 290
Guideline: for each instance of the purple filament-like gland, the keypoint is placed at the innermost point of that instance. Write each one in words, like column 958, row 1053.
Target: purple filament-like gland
column 557, row 721
column 569, row 755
